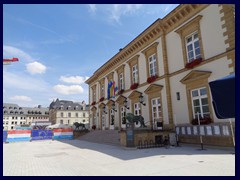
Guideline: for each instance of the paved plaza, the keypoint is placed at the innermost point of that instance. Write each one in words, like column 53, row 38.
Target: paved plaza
column 82, row 158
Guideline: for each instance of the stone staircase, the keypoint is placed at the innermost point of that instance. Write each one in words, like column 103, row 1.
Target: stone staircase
column 111, row 137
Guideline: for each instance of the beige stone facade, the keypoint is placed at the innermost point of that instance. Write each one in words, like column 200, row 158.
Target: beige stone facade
column 171, row 63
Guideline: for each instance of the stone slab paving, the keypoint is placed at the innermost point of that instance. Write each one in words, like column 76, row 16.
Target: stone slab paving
column 82, row 158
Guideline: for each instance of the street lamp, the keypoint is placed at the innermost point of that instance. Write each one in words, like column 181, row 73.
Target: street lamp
column 114, row 107
column 141, row 100
column 104, row 109
column 125, row 103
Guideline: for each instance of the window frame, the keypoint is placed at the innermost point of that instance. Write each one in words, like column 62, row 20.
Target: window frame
column 199, row 97
column 192, row 42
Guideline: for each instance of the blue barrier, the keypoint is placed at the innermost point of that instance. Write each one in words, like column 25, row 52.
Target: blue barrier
column 5, row 136
column 41, row 134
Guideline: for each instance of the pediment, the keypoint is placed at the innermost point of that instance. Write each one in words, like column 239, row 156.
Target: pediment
column 101, row 105
column 93, row 108
column 109, row 103
column 194, row 76
column 120, row 99
column 134, row 95
column 153, row 88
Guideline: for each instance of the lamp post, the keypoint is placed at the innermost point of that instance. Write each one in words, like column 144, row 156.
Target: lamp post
column 141, row 100
column 125, row 104
column 114, row 107
column 104, row 109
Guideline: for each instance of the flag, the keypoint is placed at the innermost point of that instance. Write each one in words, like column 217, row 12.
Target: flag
column 109, row 89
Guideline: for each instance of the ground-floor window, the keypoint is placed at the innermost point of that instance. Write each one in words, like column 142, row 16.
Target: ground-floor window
column 123, row 115
column 103, row 118
column 200, row 102
column 157, row 113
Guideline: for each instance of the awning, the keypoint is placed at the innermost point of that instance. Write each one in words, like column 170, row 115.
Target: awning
column 223, row 95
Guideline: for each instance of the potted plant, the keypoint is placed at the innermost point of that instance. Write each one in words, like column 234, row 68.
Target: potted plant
column 193, row 63
column 152, row 78
column 203, row 120
column 93, row 103
column 134, row 86
column 120, row 92
column 101, row 99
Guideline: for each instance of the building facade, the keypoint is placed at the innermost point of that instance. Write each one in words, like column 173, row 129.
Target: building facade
column 14, row 115
column 163, row 73
column 68, row 112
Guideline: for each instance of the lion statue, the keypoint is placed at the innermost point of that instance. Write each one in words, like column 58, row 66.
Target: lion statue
column 131, row 118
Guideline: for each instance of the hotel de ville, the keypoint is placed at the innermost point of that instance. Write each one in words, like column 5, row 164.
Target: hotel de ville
column 164, row 73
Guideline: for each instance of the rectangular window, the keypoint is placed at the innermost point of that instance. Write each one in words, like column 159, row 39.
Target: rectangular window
column 200, row 103
column 137, row 109
column 156, row 113
column 152, row 65
column 94, row 95
column 103, row 119
column 121, row 81
column 83, row 114
column 69, row 114
column 102, row 90
column 76, row 114
column 135, row 74
column 61, row 114
column 193, row 48
column 123, row 114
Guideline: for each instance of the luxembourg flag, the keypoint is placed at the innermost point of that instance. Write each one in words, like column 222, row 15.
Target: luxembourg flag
column 62, row 134
column 18, row 135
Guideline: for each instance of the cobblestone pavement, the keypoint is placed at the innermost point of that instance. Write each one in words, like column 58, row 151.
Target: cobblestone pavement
column 82, row 158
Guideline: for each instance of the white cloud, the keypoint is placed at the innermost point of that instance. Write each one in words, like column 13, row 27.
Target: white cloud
column 18, row 80
column 21, row 98
column 36, row 68
column 10, row 51
column 73, row 79
column 92, row 7
column 119, row 10
column 74, row 89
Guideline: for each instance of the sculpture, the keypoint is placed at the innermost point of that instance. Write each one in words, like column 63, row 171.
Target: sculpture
column 77, row 125
column 132, row 119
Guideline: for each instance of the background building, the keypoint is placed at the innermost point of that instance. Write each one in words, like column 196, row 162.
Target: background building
column 68, row 112
column 14, row 115
column 163, row 73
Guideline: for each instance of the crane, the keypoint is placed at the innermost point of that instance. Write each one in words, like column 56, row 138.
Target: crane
column 9, row 61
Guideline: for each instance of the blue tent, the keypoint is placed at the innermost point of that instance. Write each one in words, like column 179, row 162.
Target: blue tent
column 223, row 95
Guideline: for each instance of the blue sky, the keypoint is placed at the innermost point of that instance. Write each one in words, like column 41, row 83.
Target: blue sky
column 60, row 46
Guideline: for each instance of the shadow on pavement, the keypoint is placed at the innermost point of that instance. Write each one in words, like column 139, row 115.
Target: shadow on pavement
column 124, row 153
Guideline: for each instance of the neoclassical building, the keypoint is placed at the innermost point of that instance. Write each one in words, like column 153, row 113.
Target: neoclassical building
column 68, row 112
column 164, row 73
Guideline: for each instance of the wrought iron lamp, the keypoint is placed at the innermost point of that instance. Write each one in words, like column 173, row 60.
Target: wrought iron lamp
column 114, row 107
column 141, row 100
column 125, row 104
